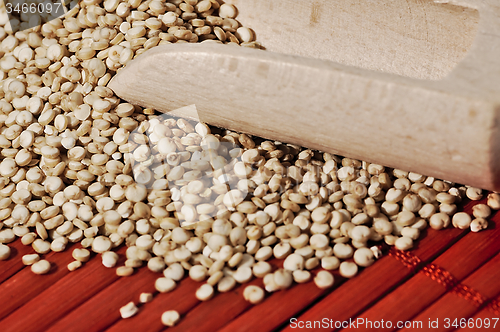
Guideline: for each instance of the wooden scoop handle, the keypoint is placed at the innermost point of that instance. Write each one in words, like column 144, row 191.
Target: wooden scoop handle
column 448, row 128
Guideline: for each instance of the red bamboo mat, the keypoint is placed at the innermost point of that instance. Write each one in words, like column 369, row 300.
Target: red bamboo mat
column 449, row 281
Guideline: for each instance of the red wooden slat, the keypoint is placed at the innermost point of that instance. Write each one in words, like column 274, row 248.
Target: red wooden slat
column 488, row 315
column 279, row 306
column 181, row 299
column 226, row 306
column 63, row 296
column 454, row 305
column 102, row 309
column 463, row 258
column 14, row 264
column 363, row 290
column 25, row 285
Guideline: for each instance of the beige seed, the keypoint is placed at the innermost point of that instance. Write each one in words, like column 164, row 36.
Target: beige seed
column 170, row 318
column 474, row 194
column 348, row 269
column 264, row 253
column 445, row 198
column 30, row 259
column 227, row 11
column 174, row 272
column 74, row 265
column 226, row 284
column 198, row 273
column 145, row 297
column 427, row 210
column 7, row 236
column 41, row 246
column 164, row 285
column 243, row 274
column 215, row 278
column 205, row 292
column 330, row 263
column 449, row 209
column 301, row 276
column 478, row 224
column 320, row 241
column 81, row 255
column 282, row 278
column 411, row 232
column 41, row 267
column 232, row 198
column 324, row 280
column 311, row 263
column 59, row 244
column 124, row 271
column 439, row 220
column 406, row 218
column 481, row 211
column 245, row 35
column 101, row 244
column 260, row 269
column 28, row 239
column 4, row 252
column 343, row 251
column 294, row 262
column 253, row 294
column 494, row 201
column 128, row 310
column 461, row 220
column 156, row 264
column 404, row 243
column 363, row 257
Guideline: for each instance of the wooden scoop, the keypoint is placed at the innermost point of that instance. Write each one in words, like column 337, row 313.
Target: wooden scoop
column 415, row 85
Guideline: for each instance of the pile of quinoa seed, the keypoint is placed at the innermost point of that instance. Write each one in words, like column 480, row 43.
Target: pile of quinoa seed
column 77, row 164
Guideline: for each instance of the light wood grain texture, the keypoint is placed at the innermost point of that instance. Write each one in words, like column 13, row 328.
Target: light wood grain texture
column 447, row 128
column 414, row 38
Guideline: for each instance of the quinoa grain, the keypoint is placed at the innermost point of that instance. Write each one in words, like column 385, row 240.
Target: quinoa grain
column 170, row 318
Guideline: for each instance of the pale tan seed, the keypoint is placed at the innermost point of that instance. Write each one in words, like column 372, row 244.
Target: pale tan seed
column 145, row 297
column 30, row 259
column 164, row 285
column 439, row 220
column 461, row 220
column 481, row 211
column 205, row 292
column 403, row 243
column 253, row 294
column 324, row 280
column 170, row 318
column 81, row 255
column 348, row 269
column 478, row 224
column 300, row 276
column 4, row 252
column 74, row 265
column 494, row 201
column 124, row 271
column 41, row 267
column 128, row 310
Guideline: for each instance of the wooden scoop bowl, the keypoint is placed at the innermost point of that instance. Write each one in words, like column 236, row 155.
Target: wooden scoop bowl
column 409, row 84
